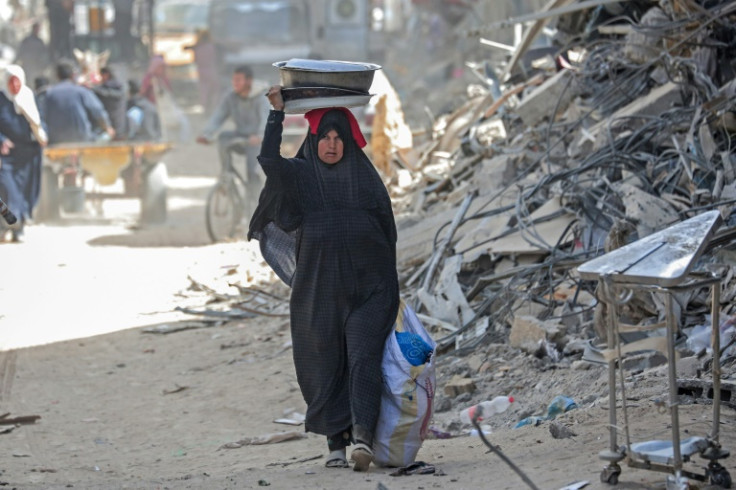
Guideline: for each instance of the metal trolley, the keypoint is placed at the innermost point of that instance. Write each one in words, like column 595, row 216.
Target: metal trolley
column 662, row 263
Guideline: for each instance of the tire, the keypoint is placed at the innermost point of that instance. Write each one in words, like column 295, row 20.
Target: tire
column 224, row 212
column 721, row 477
column 154, row 194
column 49, row 201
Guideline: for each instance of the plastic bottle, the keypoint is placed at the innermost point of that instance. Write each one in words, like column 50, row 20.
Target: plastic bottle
column 489, row 407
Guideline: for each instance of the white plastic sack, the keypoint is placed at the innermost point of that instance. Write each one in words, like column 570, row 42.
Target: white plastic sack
column 408, row 393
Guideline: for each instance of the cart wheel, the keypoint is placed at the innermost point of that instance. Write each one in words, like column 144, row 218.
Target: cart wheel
column 49, row 201
column 153, row 194
column 610, row 474
column 719, row 475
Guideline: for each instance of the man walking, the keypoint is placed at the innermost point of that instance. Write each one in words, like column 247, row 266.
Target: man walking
column 33, row 54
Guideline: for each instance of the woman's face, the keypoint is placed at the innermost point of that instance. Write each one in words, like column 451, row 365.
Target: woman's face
column 330, row 148
column 14, row 85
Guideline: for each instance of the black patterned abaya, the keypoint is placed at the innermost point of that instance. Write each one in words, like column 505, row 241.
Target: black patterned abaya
column 329, row 232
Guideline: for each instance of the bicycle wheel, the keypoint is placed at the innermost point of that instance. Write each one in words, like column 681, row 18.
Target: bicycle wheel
column 224, row 212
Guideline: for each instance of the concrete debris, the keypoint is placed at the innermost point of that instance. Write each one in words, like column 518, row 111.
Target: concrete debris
column 459, row 385
column 621, row 126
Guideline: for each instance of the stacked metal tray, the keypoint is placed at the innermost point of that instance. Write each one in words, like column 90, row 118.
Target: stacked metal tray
column 313, row 84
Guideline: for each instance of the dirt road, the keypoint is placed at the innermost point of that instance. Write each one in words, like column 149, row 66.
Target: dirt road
column 122, row 408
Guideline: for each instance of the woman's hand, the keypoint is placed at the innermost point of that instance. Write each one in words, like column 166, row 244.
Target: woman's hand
column 6, row 146
column 275, row 98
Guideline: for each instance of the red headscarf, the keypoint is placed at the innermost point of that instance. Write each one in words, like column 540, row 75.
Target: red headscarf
column 315, row 116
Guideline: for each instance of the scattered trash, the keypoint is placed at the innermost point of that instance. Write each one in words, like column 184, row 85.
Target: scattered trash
column 699, row 337
column 416, row 468
column 167, row 328
column 560, row 431
column 560, row 404
column 435, row 433
column 288, row 421
column 265, row 439
column 486, row 409
column 178, row 389
column 576, row 485
column 5, row 419
column 302, row 460
column 485, row 428
column 231, row 314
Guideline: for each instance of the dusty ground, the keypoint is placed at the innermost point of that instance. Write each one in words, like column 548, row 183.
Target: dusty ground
column 122, row 408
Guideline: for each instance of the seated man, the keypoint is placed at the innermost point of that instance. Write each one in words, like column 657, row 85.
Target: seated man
column 249, row 113
column 112, row 95
column 143, row 120
column 73, row 112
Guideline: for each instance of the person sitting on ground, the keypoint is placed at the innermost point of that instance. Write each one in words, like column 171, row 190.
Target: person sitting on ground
column 143, row 123
column 72, row 111
column 112, row 95
column 249, row 113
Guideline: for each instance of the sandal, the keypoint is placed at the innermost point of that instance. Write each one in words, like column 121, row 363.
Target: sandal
column 337, row 463
column 362, row 455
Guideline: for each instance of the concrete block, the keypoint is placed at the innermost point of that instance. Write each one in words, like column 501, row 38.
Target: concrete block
column 458, row 385
column 689, row 367
column 644, row 361
column 657, row 101
column 555, row 93
column 526, row 334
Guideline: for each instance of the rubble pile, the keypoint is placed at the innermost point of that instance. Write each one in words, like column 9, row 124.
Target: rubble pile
column 628, row 129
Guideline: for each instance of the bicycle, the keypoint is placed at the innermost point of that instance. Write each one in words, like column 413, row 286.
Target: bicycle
column 226, row 208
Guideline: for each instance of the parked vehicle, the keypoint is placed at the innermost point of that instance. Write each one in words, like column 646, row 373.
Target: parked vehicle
column 176, row 23
column 260, row 32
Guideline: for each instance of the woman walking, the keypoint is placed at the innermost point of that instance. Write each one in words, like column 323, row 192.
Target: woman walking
column 21, row 138
column 325, row 225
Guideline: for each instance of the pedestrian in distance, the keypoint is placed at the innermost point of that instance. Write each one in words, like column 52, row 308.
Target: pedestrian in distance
column 33, row 54
column 208, row 77
column 325, row 225
column 21, row 137
column 156, row 86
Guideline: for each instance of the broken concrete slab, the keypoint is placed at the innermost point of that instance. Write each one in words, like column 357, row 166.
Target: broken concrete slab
column 459, row 385
column 657, row 101
column 649, row 212
column 549, row 99
column 528, row 333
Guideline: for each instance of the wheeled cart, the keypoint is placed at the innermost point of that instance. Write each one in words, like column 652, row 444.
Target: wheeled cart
column 660, row 263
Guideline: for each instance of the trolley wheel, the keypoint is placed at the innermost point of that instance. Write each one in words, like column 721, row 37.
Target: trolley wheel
column 224, row 212
column 610, row 474
column 49, row 200
column 153, row 194
column 719, row 475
